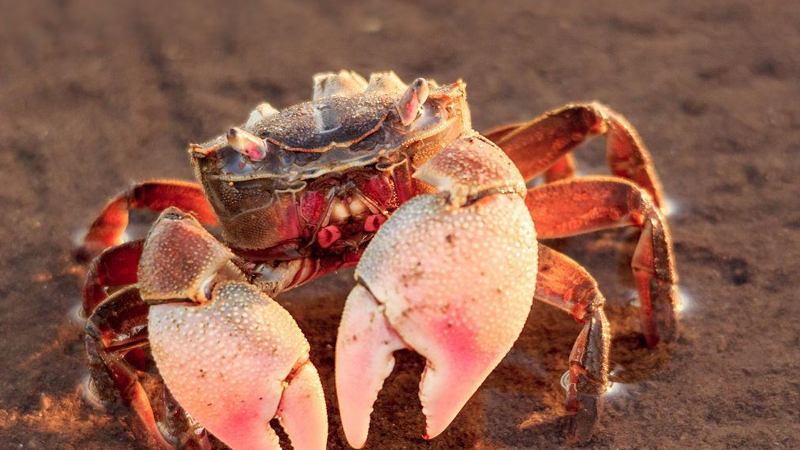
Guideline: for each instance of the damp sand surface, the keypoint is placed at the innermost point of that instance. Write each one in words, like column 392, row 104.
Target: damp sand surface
column 95, row 95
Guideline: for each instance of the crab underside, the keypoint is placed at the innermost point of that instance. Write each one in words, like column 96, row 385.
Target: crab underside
column 439, row 223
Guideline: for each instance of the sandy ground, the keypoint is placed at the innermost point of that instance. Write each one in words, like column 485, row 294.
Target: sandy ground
column 95, row 95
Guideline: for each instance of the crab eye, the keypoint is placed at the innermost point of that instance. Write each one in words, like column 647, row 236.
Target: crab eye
column 410, row 103
column 247, row 144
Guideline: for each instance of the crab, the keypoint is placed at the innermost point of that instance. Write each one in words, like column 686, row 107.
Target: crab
column 440, row 224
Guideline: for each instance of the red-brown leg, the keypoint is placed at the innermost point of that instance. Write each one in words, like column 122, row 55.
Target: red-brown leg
column 562, row 169
column 121, row 368
column 571, row 207
column 543, row 145
column 563, row 283
column 117, row 267
column 108, row 229
column 114, row 267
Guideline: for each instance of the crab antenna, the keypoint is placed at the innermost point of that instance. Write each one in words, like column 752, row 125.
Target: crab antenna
column 409, row 104
column 247, row 144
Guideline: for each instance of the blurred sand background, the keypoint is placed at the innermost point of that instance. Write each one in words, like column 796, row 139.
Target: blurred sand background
column 95, row 95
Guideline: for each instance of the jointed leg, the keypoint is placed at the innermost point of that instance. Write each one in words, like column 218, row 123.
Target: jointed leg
column 562, row 169
column 158, row 195
column 120, row 365
column 572, row 207
column 115, row 267
column 563, row 283
column 543, row 145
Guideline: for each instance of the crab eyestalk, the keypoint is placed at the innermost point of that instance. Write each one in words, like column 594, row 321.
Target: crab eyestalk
column 232, row 357
column 247, row 144
column 409, row 104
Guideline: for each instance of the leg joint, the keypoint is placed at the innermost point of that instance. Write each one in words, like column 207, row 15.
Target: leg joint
column 588, row 299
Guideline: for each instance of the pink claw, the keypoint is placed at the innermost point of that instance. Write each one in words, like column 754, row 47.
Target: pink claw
column 428, row 283
column 235, row 363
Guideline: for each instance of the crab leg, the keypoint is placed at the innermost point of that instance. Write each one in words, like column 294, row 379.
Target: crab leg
column 109, row 367
column 116, row 266
column 544, row 145
column 116, row 342
column 571, row 207
column 563, row 283
column 108, row 228
column 231, row 356
column 449, row 275
column 563, row 168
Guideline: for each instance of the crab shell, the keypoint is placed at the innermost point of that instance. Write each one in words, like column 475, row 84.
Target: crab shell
column 274, row 182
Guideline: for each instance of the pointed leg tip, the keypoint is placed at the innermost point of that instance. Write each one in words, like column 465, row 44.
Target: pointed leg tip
column 577, row 434
column 664, row 335
column 580, row 426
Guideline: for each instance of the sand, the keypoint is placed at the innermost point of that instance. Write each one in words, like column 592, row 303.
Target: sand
column 95, row 95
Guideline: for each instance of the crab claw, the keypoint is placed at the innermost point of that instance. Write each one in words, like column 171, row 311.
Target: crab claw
column 452, row 282
column 232, row 357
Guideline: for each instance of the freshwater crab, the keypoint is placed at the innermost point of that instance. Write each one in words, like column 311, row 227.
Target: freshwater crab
column 438, row 219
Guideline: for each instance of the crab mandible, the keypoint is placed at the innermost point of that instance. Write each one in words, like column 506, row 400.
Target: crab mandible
column 439, row 220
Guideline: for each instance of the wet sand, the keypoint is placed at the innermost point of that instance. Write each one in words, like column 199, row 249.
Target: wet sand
column 97, row 94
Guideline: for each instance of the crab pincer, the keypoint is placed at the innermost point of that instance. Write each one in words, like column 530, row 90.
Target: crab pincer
column 232, row 356
column 451, row 275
